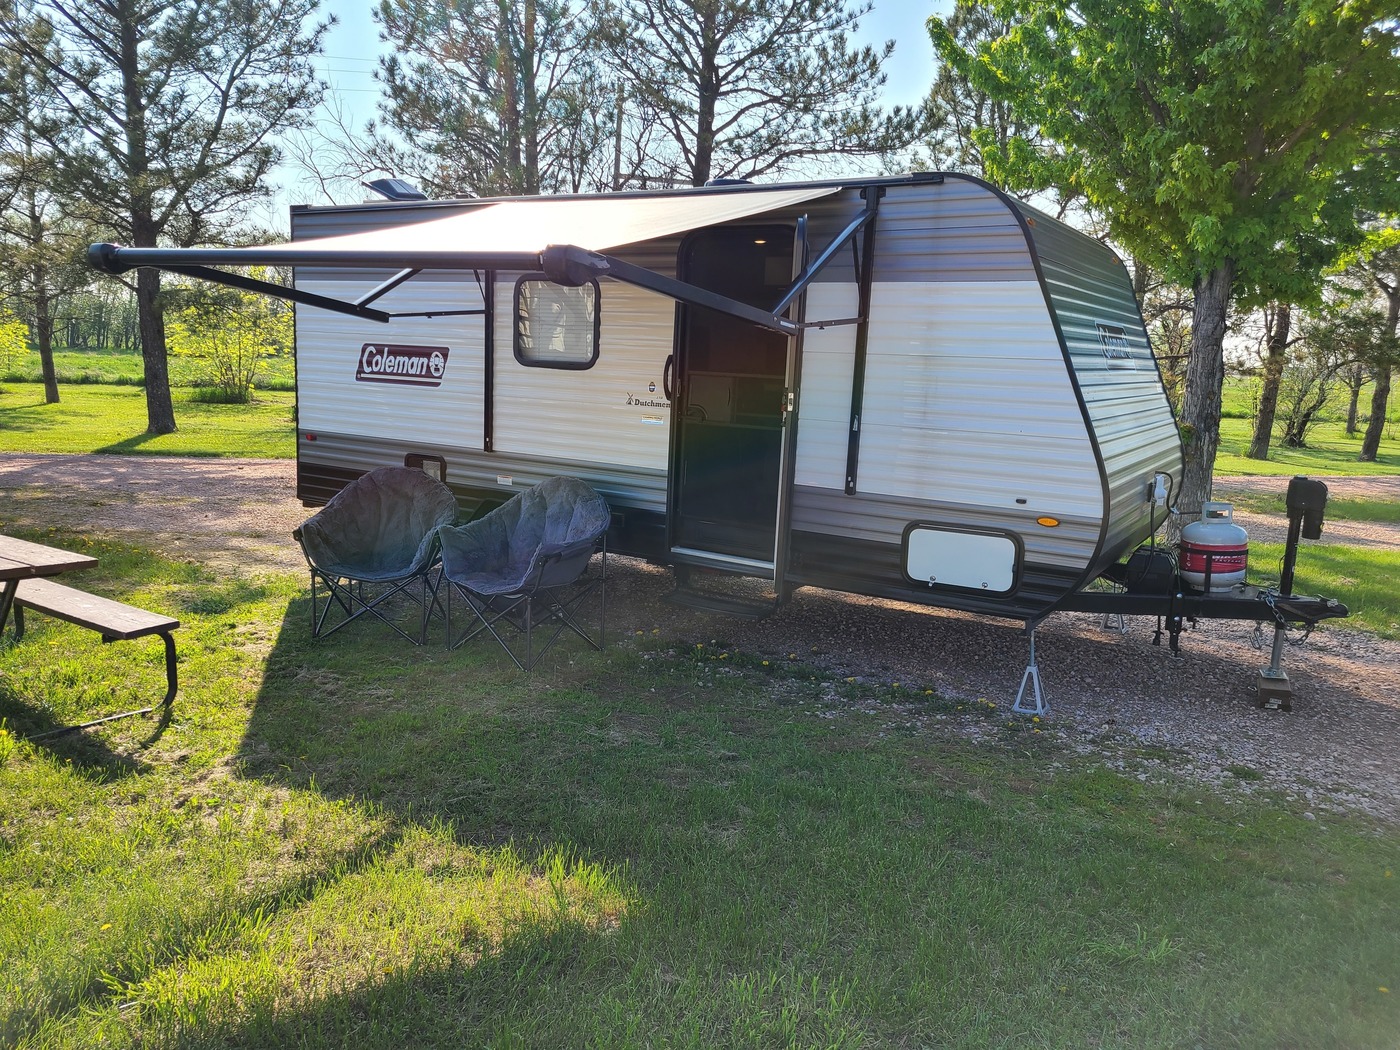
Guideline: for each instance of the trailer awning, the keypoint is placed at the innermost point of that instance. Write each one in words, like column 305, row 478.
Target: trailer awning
column 564, row 237
column 508, row 235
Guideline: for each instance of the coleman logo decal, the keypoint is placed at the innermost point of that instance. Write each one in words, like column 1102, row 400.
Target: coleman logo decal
column 410, row 365
column 1116, row 346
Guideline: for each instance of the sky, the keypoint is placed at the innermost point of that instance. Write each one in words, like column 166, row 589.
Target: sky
column 352, row 50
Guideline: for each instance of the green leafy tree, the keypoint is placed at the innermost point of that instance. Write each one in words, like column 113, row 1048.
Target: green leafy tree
column 164, row 121
column 14, row 338
column 971, row 130
column 229, row 336
column 1223, row 139
column 746, row 88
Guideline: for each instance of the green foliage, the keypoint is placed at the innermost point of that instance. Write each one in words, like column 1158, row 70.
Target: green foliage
column 1207, row 131
column 14, row 338
column 230, row 335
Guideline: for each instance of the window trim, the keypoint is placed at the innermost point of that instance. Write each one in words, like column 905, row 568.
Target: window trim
column 573, row 366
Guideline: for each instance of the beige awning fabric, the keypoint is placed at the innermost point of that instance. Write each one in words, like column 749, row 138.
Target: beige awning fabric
column 595, row 224
column 562, row 236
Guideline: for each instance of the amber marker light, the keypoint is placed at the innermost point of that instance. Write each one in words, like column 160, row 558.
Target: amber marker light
column 1049, row 523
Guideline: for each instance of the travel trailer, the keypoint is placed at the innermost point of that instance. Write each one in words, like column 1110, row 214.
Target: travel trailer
column 914, row 388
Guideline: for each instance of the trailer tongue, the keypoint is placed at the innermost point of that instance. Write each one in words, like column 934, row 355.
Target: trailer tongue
column 1166, row 596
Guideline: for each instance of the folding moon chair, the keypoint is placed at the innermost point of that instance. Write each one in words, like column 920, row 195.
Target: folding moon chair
column 522, row 567
column 375, row 539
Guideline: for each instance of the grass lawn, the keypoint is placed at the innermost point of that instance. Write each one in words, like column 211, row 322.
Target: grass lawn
column 1330, row 451
column 1338, row 508
column 1362, row 578
column 359, row 843
column 98, row 418
column 75, row 366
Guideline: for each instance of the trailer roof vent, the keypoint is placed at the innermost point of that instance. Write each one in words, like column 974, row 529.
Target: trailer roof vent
column 396, row 189
column 728, row 182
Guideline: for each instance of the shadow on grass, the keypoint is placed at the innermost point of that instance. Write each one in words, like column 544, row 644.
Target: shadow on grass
column 637, row 847
column 446, row 748
column 135, row 443
column 85, row 753
column 24, row 418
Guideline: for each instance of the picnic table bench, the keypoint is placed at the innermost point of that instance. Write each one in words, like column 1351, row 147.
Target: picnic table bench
column 23, row 570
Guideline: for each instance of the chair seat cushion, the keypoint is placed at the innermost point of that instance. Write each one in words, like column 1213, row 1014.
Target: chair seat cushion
column 382, row 526
column 502, row 552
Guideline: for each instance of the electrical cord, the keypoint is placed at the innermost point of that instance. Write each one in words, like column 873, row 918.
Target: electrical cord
column 1167, row 508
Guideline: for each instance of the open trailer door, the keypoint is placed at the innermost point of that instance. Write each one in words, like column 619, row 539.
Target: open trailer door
column 730, row 388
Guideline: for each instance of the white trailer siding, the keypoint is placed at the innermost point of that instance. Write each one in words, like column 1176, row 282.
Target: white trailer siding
column 607, row 414
column 968, row 401
column 969, row 416
column 330, row 398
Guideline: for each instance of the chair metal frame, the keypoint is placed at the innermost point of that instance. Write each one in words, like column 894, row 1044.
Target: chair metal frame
column 356, row 597
column 536, row 606
column 525, row 567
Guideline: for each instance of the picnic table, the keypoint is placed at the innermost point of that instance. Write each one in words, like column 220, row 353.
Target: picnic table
column 25, row 569
column 22, row 560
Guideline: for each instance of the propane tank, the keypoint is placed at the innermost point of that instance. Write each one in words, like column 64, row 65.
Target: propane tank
column 1215, row 545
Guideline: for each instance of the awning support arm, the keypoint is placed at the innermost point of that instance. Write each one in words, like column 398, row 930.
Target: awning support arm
column 570, row 265
column 819, row 263
column 280, row 291
column 388, row 286
column 865, row 276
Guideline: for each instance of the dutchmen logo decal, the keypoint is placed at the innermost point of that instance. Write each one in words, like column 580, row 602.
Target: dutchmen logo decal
column 409, row 365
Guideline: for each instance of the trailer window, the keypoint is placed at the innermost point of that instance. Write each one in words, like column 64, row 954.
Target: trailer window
column 556, row 326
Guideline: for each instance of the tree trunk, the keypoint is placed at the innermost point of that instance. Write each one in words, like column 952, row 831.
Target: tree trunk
column 1353, row 409
column 706, row 100
column 43, row 301
column 160, row 409
column 1380, row 396
column 1205, row 377
column 43, row 336
column 512, row 177
column 1275, row 354
column 530, row 116
column 617, row 137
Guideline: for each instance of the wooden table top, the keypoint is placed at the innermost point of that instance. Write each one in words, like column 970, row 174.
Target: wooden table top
column 20, row 559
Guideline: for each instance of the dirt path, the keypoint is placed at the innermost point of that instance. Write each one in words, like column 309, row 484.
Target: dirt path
column 232, row 512
column 1273, row 529
column 1384, row 486
column 1128, row 702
